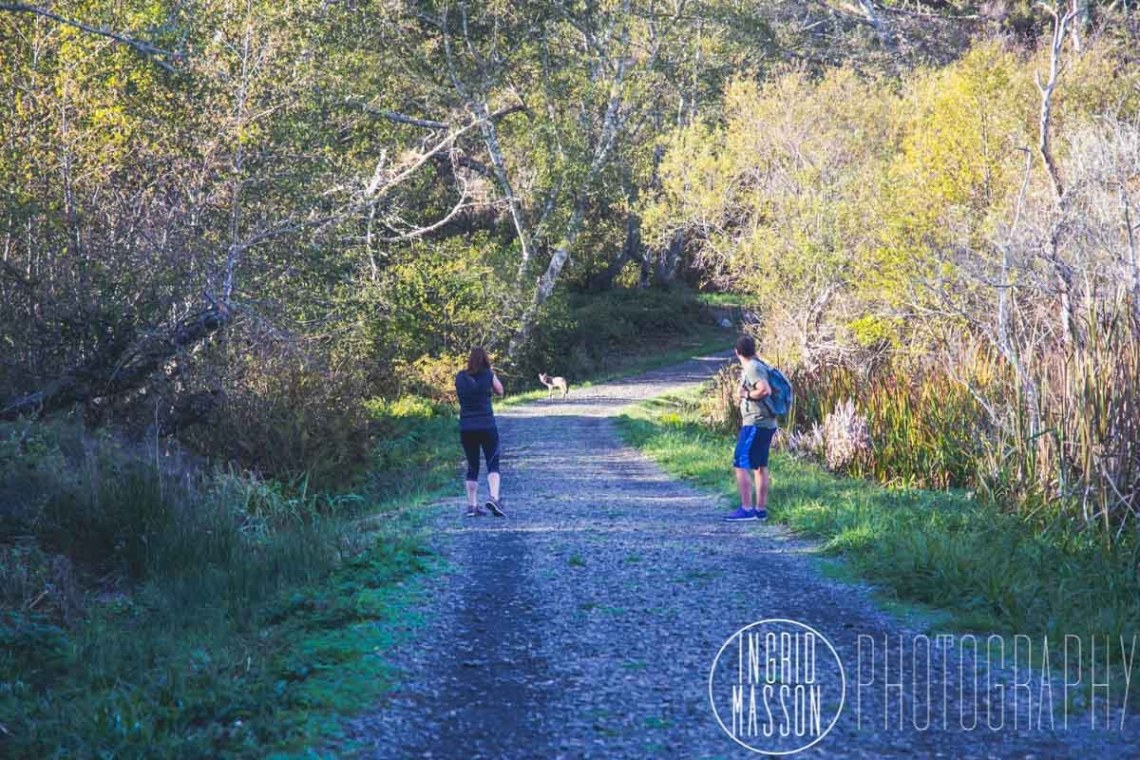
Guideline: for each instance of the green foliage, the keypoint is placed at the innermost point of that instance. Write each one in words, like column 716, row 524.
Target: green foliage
column 843, row 202
column 416, row 451
column 778, row 196
column 288, row 414
column 440, row 298
column 112, row 511
column 240, row 177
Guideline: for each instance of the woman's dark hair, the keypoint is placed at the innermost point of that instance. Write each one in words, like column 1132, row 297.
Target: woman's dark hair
column 746, row 346
column 477, row 361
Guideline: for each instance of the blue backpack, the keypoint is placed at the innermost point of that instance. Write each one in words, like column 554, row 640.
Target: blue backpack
column 779, row 401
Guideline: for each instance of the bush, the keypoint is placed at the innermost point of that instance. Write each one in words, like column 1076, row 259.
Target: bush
column 925, row 427
column 118, row 515
column 33, row 468
column 104, row 509
column 416, row 444
column 289, row 415
column 432, row 377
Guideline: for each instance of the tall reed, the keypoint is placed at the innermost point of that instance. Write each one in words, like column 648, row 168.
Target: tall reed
column 926, row 426
column 1053, row 432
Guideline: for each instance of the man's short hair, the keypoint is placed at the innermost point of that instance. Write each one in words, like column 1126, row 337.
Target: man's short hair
column 746, row 346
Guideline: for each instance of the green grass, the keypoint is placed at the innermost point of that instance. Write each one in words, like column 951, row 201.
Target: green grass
column 235, row 637
column 723, row 299
column 148, row 675
column 976, row 566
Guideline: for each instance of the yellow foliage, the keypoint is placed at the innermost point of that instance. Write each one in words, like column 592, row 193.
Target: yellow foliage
column 434, row 376
column 875, row 189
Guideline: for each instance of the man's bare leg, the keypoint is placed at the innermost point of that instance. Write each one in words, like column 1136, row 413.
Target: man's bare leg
column 762, row 480
column 744, row 486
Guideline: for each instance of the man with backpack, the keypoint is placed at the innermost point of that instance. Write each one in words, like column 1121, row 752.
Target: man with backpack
column 758, row 415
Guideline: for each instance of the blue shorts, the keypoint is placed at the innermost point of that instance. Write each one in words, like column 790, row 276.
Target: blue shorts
column 752, row 447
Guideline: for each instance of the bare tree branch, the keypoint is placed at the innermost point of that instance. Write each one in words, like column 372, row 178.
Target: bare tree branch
column 1061, row 268
column 490, row 134
column 1044, row 146
column 396, row 116
column 164, row 59
column 419, row 232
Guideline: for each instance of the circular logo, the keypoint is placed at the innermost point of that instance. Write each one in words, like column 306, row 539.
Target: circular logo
column 777, row 686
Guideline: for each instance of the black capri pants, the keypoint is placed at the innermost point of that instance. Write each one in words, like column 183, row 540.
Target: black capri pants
column 488, row 441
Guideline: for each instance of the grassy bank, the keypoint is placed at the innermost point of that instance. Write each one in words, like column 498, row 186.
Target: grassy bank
column 990, row 570
column 171, row 613
column 145, row 677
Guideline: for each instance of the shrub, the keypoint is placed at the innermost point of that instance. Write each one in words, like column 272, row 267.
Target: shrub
column 119, row 515
column 432, row 377
column 33, row 468
column 113, row 520
column 808, row 443
column 416, row 441
column 133, row 597
column 846, row 442
column 289, row 415
column 926, row 428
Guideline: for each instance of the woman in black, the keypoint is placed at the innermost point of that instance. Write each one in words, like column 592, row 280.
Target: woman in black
column 477, row 429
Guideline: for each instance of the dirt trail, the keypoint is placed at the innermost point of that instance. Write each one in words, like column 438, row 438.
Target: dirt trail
column 586, row 622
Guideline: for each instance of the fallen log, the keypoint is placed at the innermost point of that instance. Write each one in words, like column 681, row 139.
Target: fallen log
column 106, row 375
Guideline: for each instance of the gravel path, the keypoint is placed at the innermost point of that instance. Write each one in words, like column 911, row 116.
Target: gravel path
column 586, row 622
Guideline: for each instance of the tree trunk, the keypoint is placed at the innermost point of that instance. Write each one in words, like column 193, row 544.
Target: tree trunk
column 544, row 287
column 1082, row 22
column 1062, row 17
column 631, row 249
column 611, row 122
column 669, row 259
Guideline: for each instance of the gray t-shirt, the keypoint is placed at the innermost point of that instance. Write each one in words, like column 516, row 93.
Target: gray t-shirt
column 755, row 412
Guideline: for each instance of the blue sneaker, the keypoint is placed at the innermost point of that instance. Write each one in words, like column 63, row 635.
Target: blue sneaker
column 761, row 514
column 740, row 515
